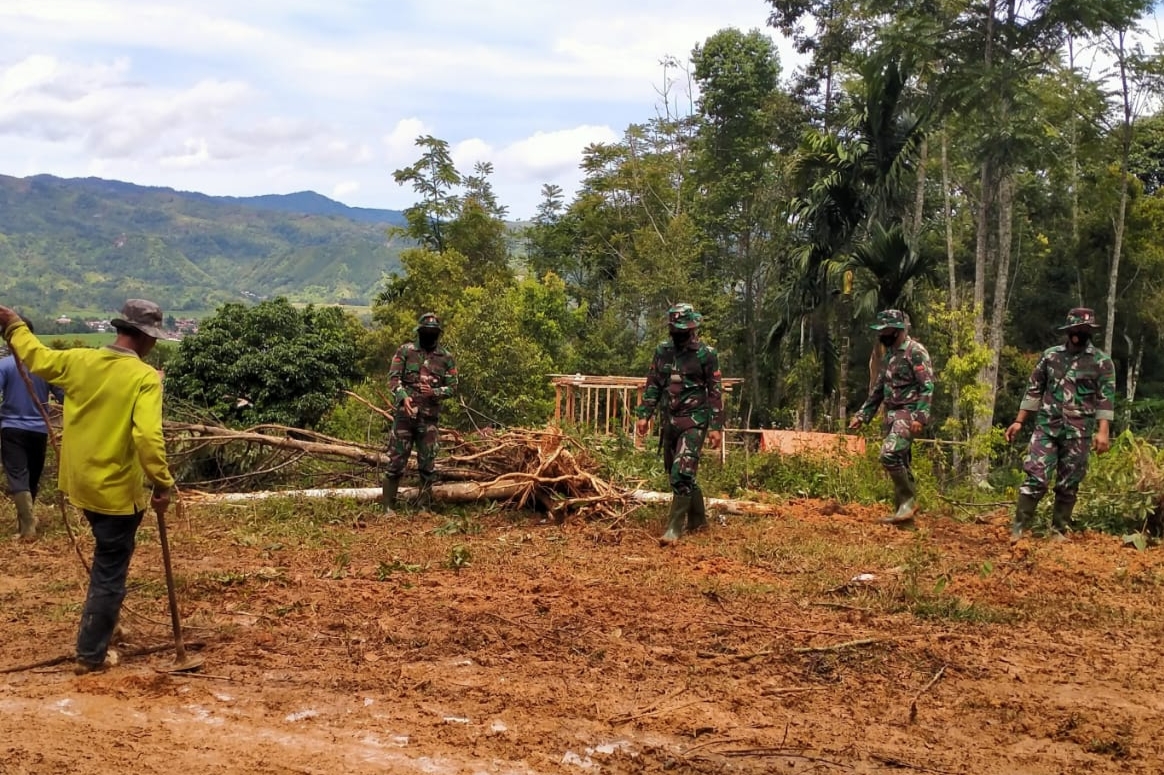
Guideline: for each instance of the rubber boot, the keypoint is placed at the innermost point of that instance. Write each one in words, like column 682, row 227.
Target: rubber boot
column 1024, row 515
column 697, row 514
column 903, row 497
column 680, row 504
column 1061, row 519
column 388, row 499
column 25, row 517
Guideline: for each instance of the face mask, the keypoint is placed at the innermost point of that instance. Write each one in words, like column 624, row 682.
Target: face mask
column 888, row 339
column 680, row 338
column 428, row 338
column 1079, row 338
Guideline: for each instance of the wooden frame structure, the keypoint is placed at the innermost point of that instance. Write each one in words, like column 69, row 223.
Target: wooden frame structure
column 605, row 403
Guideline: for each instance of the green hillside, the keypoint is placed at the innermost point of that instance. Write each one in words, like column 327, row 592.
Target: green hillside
column 88, row 244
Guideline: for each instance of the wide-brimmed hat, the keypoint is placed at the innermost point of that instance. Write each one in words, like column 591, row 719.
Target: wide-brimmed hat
column 1080, row 317
column 142, row 315
column 889, row 318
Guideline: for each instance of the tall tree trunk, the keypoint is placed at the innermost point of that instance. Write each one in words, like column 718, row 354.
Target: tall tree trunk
column 1074, row 145
column 920, row 194
column 1121, row 217
column 846, row 343
column 952, row 272
column 985, row 420
column 1133, row 376
column 982, row 227
column 951, row 265
column 982, row 250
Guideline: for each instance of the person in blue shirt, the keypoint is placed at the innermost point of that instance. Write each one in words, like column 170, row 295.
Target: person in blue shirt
column 23, row 438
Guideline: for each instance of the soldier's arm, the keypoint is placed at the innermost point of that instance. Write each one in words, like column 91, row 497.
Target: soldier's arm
column 448, row 386
column 714, row 389
column 876, row 396
column 653, row 389
column 396, row 376
column 1036, row 386
column 923, row 369
column 1105, row 408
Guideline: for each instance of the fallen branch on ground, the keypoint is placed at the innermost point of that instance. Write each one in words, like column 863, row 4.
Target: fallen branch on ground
column 849, row 644
column 137, row 652
column 924, row 689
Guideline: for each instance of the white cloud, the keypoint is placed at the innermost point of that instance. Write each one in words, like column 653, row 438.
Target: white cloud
column 195, row 153
column 342, row 189
column 269, row 96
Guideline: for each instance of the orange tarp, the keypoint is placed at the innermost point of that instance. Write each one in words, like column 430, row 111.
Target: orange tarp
column 794, row 442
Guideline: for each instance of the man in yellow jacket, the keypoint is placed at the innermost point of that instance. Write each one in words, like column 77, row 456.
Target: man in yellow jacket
column 111, row 445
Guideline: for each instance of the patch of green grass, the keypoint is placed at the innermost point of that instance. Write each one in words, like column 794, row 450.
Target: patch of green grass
column 295, row 523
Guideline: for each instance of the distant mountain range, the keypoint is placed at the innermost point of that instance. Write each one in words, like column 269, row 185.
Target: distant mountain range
column 87, row 244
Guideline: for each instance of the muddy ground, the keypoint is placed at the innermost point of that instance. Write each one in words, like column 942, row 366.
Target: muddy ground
column 494, row 643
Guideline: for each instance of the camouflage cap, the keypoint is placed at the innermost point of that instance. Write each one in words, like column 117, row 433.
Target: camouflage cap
column 683, row 317
column 429, row 320
column 1080, row 317
column 889, row 318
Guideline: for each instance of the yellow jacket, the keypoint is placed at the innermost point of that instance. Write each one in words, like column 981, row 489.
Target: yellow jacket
column 112, row 440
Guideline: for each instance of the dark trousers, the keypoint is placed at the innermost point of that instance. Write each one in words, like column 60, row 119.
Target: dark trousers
column 22, row 453
column 115, row 537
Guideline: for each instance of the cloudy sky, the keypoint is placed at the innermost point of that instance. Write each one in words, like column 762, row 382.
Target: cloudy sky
column 248, row 97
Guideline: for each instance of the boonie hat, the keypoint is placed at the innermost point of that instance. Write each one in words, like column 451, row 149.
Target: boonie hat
column 889, row 318
column 1080, row 317
column 142, row 315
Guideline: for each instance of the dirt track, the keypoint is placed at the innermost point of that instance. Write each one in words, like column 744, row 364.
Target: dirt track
column 334, row 647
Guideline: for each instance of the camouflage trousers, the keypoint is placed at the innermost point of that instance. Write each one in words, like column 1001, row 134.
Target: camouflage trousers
column 682, row 446
column 406, row 431
column 1067, row 457
column 897, row 448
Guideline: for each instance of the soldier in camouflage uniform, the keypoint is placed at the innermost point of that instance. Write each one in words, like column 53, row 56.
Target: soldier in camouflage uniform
column 685, row 384
column 422, row 375
column 905, row 385
column 1071, row 391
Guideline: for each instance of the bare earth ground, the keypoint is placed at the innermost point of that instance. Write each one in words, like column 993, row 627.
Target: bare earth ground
column 332, row 647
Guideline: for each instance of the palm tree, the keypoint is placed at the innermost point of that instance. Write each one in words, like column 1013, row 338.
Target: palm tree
column 851, row 217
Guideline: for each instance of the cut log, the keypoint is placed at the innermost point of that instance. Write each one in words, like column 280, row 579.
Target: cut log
column 467, row 492
column 453, row 492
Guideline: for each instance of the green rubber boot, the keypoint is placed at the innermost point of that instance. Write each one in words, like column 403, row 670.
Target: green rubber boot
column 1024, row 515
column 1061, row 519
column 697, row 515
column 680, row 504
column 388, row 499
column 25, row 518
column 904, row 498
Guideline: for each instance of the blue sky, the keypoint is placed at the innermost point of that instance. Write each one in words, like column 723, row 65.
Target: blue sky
column 246, row 97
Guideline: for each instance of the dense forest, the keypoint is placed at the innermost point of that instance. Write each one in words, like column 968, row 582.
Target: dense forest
column 85, row 245
column 984, row 166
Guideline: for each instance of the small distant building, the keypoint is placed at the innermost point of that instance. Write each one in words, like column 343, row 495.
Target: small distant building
column 64, row 320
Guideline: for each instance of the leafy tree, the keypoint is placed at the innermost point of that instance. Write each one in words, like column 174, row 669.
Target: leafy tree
column 434, row 178
column 268, row 363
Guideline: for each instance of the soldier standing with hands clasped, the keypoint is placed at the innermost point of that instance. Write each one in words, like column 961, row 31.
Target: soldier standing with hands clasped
column 684, row 380
column 422, row 375
column 1071, row 391
column 905, row 385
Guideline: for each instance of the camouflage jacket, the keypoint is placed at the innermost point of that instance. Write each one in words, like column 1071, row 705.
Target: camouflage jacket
column 411, row 365
column 1071, row 390
column 691, row 382
column 906, row 381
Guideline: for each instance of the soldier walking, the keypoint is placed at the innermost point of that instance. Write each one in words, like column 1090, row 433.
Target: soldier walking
column 422, row 375
column 905, row 385
column 685, row 383
column 1071, row 391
